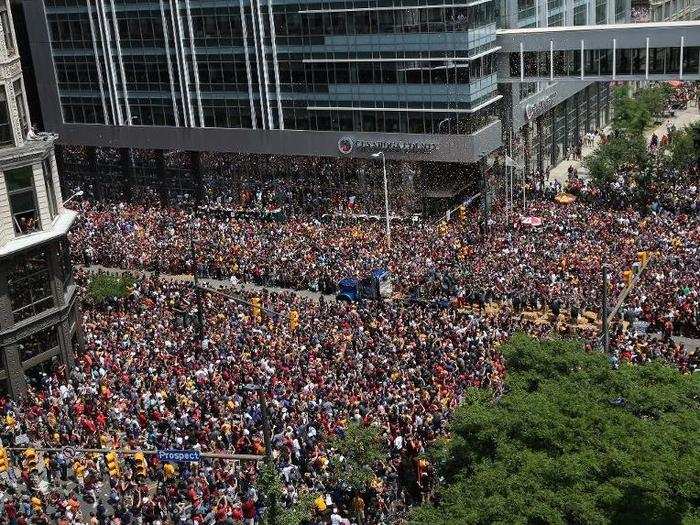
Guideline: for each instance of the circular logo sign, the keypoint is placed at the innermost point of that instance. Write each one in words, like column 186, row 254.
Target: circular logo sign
column 345, row 145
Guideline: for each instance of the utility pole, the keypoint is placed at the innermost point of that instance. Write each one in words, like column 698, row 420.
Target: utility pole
column 197, row 290
column 267, row 436
column 606, row 328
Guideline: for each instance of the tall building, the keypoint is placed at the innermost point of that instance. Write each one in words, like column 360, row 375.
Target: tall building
column 215, row 75
column 423, row 81
column 669, row 10
column 38, row 311
column 547, row 119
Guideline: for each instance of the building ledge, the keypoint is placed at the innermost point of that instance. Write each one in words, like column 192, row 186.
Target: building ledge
column 59, row 228
column 31, row 150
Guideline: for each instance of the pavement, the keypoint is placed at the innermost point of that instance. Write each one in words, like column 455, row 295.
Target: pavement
column 681, row 119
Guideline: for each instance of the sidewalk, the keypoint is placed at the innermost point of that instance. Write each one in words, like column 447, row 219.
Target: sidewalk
column 682, row 119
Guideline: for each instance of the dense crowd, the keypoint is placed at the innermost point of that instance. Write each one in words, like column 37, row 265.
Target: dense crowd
column 144, row 381
column 555, row 264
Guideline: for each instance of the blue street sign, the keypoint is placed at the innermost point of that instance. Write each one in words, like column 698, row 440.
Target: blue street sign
column 179, row 456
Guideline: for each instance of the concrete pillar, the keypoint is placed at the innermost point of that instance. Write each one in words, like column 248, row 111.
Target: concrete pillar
column 127, row 169
column 540, row 147
column 196, row 162
column 527, row 139
column 16, row 382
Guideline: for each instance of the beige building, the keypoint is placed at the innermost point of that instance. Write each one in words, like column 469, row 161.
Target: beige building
column 38, row 310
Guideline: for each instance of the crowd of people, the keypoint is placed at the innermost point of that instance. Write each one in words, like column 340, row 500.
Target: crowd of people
column 557, row 262
column 149, row 379
column 144, row 381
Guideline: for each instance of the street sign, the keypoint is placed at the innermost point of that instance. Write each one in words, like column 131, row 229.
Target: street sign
column 68, row 453
column 179, row 456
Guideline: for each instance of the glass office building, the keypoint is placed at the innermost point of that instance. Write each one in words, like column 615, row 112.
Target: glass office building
column 386, row 66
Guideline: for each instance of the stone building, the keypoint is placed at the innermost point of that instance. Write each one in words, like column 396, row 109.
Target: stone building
column 38, row 310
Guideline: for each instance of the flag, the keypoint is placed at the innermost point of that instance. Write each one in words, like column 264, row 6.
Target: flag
column 511, row 163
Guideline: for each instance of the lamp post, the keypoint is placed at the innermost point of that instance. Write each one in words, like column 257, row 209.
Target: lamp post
column 197, row 291
column 76, row 194
column 386, row 197
column 267, row 436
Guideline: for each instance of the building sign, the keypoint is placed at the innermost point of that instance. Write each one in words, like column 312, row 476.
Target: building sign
column 346, row 145
column 541, row 106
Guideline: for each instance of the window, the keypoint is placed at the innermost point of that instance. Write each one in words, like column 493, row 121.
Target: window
column 29, row 285
column 6, row 136
column 556, row 20
column 601, row 11
column 38, row 343
column 7, row 32
column 21, row 108
column 65, row 262
column 580, row 15
column 50, row 190
column 22, row 197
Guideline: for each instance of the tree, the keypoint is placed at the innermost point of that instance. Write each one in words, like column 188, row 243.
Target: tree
column 104, row 286
column 681, row 153
column 270, row 486
column 573, row 441
column 630, row 115
column 356, row 452
column 616, row 156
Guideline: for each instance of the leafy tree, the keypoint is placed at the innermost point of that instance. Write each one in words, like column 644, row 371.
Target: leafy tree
column 356, row 452
column 103, row 286
column 573, row 441
column 616, row 156
column 681, row 149
column 630, row 115
column 270, row 486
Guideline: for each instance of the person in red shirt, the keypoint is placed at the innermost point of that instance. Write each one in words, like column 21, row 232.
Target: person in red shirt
column 248, row 509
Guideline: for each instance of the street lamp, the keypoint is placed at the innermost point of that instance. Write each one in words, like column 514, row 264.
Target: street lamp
column 386, row 197
column 76, row 194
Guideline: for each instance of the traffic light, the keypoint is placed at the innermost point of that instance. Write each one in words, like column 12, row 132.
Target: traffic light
column 30, row 460
column 169, row 470
column 257, row 311
column 293, row 320
column 37, row 504
column 113, row 464
column 627, row 275
column 643, row 257
column 4, row 460
column 141, row 465
column 78, row 470
column 462, row 213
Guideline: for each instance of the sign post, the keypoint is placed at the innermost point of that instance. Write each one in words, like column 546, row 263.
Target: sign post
column 179, row 456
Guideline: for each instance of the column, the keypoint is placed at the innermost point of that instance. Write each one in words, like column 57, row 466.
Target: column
column 65, row 342
column 16, row 382
column 161, row 177
column 540, row 148
column 527, row 139
column 127, row 169
column 196, row 162
column 597, row 104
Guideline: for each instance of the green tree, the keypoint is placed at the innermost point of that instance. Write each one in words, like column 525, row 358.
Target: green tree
column 108, row 285
column 573, row 441
column 615, row 156
column 630, row 115
column 270, row 487
column 680, row 153
column 356, row 453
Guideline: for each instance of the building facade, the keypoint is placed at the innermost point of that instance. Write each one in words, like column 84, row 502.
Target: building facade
column 670, row 10
column 546, row 120
column 367, row 71
column 38, row 310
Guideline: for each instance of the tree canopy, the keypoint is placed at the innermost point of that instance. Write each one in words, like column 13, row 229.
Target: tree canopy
column 103, row 286
column 573, row 441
